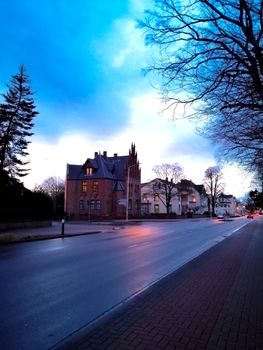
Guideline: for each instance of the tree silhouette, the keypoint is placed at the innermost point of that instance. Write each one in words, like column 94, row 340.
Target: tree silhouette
column 54, row 187
column 213, row 183
column 168, row 175
column 16, row 121
column 211, row 57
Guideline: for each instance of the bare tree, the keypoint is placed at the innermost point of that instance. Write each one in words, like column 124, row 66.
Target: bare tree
column 239, row 137
column 168, row 175
column 213, row 183
column 52, row 186
column 211, row 56
column 55, row 188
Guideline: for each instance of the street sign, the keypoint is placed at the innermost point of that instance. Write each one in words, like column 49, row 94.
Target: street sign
column 122, row 201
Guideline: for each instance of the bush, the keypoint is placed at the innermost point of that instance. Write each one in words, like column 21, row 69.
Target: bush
column 19, row 203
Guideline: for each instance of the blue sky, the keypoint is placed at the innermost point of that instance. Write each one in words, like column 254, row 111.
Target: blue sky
column 84, row 59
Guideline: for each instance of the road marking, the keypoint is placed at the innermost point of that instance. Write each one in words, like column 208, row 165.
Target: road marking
column 239, row 228
column 139, row 244
column 132, row 246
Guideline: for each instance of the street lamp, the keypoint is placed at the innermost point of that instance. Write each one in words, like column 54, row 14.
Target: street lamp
column 127, row 191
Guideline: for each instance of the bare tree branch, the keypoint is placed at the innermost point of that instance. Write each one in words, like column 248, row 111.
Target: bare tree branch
column 211, row 57
column 168, row 175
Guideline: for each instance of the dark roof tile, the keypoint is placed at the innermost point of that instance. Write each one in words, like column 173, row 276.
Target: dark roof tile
column 104, row 168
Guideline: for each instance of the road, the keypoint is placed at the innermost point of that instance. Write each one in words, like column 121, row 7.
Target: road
column 50, row 289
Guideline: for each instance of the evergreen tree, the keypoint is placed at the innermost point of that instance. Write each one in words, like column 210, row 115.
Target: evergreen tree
column 16, row 121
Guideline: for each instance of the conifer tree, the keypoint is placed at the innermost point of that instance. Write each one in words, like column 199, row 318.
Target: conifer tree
column 17, row 113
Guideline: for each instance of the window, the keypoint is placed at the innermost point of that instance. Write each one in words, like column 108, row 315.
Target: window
column 156, row 197
column 98, row 204
column 157, row 186
column 145, row 197
column 156, row 208
column 145, row 208
column 84, row 186
column 95, row 186
column 92, row 204
column 193, row 199
column 89, row 171
column 81, row 204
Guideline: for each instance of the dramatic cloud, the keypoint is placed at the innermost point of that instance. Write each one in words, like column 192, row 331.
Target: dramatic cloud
column 84, row 59
column 152, row 133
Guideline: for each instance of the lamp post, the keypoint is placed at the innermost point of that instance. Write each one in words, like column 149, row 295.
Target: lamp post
column 127, row 191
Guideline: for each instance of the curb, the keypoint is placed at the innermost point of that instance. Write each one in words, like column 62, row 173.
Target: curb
column 11, row 239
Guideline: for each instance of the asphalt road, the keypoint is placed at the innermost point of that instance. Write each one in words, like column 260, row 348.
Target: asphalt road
column 51, row 289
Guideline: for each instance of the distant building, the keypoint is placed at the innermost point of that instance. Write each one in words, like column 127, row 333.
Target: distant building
column 186, row 197
column 98, row 188
column 226, row 204
column 192, row 197
column 153, row 199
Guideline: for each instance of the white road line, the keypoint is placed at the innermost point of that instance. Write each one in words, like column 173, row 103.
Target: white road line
column 139, row 244
column 239, row 228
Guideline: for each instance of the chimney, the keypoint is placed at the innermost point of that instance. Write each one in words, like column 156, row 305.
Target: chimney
column 95, row 154
column 115, row 155
column 104, row 154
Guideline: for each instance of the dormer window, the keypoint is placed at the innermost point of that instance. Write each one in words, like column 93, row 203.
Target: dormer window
column 89, row 171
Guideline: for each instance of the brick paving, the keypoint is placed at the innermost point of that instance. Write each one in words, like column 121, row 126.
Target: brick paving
column 214, row 302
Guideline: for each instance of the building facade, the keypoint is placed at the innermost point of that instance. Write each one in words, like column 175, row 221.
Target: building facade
column 226, row 204
column 98, row 188
column 186, row 197
column 192, row 197
column 153, row 199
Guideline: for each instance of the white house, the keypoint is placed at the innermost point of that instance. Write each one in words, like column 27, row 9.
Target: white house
column 186, row 197
column 153, row 199
column 193, row 197
column 226, row 205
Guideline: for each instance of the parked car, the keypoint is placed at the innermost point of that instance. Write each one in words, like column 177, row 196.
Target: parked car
column 250, row 216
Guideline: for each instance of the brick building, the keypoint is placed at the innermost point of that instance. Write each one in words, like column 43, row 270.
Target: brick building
column 98, row 188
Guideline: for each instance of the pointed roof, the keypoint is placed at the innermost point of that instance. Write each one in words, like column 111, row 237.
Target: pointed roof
column 119, row 186
column 103, row 168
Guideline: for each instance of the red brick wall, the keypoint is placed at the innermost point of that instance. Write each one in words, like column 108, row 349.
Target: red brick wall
column 108, row 199
column 106, row 194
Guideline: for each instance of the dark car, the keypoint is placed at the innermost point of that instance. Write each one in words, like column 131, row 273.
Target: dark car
column 250, row 216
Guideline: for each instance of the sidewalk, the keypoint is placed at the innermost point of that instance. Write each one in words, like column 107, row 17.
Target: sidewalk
column 73, row 228
column 53, row 231
column 214, row 302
